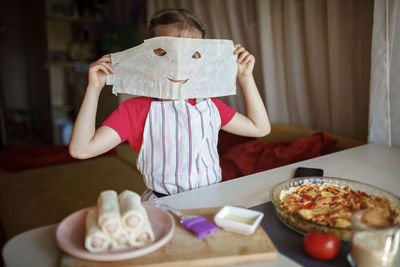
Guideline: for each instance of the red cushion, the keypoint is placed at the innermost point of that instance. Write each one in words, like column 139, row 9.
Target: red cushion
column 18, row 159
column 227, row 140
column 256, row 156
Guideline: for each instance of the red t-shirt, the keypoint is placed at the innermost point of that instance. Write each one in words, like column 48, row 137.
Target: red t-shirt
column 129, row 118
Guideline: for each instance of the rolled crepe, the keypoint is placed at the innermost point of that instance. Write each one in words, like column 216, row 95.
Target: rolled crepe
column 142, row 237
column 121, row 241
column 109, row 213
column 133, row 214
column 95, row 239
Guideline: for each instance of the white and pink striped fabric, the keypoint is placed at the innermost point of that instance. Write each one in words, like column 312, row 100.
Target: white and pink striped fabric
column 179, row 150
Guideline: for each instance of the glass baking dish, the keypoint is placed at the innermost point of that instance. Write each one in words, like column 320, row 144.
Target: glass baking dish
column 301, row 225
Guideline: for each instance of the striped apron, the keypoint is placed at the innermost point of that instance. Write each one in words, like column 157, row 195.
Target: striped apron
column 179, row 149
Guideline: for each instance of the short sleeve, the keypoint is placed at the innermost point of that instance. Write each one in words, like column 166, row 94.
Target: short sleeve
column 226, row 112
column 128, row 120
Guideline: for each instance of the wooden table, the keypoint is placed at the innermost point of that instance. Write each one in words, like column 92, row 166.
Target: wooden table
column 372, row 163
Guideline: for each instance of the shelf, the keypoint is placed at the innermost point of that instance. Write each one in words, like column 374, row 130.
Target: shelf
column 71, row 63
column 62, row 108
column 72, row 19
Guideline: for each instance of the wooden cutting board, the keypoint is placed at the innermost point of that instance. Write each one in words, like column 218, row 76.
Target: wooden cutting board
column 185, row 249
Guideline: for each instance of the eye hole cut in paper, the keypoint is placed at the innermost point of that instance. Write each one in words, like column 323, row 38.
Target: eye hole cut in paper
column 176, row 68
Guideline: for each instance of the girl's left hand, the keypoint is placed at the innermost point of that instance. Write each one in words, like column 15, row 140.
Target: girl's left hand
column 245, row 61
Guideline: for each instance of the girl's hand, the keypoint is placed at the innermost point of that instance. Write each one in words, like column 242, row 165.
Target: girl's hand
column 245, row 61
column 98, row 72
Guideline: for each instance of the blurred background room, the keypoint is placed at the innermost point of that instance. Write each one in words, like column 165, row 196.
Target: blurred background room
column 322, row 67
column 313, row 60
column 47, row 47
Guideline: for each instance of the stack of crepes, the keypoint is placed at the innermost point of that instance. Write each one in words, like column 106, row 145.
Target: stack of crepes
column 118, row 222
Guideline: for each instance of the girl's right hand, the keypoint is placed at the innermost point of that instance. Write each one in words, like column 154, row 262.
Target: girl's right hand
column 98, row 72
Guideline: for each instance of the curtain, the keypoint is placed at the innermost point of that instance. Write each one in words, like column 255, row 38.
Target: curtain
column 384, row 116
column 312, row 56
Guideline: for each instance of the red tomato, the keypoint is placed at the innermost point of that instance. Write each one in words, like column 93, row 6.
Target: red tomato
column 321, row 246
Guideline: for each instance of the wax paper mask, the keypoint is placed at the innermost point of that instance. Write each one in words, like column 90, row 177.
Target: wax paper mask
column 176, row 68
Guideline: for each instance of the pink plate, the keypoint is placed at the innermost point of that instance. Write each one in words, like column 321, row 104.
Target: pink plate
column 70, row 236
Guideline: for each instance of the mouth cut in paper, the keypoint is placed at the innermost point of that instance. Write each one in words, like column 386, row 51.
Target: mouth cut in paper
column 178, row 81
column 142, row 70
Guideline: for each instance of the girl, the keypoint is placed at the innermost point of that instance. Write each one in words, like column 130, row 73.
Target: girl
column 170, row 166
